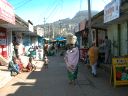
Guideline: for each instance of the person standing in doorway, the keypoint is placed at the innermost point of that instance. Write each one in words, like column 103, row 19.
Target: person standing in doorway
column 107, row 46
column 16, row 46
column 71, row 58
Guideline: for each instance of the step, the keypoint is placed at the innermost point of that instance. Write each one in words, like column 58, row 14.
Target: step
column 5, row 77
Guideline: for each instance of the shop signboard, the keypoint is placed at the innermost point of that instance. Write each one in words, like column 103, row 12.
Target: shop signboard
column 112, row 11
column 31, row 29
column 6, row 12
column 40, row 31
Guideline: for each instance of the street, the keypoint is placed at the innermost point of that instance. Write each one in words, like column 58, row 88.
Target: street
column 54, row 82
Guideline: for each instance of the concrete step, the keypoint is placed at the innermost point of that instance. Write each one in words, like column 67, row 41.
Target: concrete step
column 5, row 77
column 3, row 61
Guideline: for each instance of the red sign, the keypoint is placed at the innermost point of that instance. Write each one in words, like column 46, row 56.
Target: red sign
column 6, row 12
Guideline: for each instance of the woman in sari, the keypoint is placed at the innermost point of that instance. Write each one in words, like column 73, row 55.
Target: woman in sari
column 13, row 67
column 71, row 59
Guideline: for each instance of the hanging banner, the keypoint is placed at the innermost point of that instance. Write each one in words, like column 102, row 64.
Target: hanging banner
column 112, row 11
column 40, row 31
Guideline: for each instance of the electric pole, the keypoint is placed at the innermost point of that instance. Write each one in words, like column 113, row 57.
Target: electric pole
column 44, row 26
column 90, row 38
column 53, row 31
column 60, row 27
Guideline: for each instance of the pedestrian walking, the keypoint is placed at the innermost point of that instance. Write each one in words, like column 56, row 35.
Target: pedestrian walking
column 71, row 58
column 46, row 62
column 93, row 57
column 46, row 48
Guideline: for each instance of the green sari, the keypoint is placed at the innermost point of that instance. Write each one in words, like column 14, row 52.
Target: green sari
column 73, row 75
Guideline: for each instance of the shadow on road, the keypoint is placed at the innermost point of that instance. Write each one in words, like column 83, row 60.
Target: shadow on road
column 53, row 82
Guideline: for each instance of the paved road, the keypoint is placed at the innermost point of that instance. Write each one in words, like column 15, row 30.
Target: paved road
column 53, row 82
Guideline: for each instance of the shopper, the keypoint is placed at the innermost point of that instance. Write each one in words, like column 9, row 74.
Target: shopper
column 71, row 58
column 93, row 58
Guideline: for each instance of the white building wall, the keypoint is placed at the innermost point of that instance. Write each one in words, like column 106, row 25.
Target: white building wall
column 9, row 45
column 123, row 39
column 113, row 36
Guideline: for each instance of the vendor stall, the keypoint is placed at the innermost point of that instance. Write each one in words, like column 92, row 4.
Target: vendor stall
column 119, row 71
column 83, row 54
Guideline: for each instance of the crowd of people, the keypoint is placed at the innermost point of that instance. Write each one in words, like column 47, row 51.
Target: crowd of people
column 16, row 66
column 71, row 57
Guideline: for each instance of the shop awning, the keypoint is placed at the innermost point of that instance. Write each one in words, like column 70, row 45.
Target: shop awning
column 6, row 12
column 20, row 26
column 60, row 38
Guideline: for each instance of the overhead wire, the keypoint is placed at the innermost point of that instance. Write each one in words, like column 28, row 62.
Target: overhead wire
column 22, row 4
column 19, row 2
column 80, row 5
column 49, row 8
column 51, row 12
column 61, row 9
column 57, row 9
column 104, row 1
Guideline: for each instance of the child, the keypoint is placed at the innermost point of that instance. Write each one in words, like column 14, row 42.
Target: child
column 30, row 66
column 20, row 64
column 13, row 67
column 46, row 62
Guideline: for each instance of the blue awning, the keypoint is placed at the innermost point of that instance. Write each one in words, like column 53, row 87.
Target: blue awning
column 60, row 38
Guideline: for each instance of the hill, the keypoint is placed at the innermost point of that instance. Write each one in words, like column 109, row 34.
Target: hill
column 66, row 25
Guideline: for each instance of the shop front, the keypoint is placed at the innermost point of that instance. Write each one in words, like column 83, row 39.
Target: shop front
column 7, row 16
column 118, row 33
column 3, row 42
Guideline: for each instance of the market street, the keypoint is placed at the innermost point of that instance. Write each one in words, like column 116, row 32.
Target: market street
column 54, row 82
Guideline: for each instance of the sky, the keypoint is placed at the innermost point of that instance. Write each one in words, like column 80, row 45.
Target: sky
column 48, row 11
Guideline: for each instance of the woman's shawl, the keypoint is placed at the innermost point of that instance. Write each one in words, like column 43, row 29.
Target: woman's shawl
column 71, row 58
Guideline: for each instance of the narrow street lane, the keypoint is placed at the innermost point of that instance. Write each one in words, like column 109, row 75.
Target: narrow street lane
column 54, row 82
